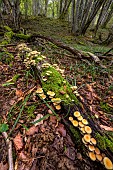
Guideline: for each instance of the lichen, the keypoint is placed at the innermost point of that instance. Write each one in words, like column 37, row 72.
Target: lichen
column 56, row 83
column 106, row 108
column 103, row 142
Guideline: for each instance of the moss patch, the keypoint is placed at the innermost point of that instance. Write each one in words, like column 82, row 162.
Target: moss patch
column 22, row 36
column 106, row 108
column 56, row 83
column 103, row 142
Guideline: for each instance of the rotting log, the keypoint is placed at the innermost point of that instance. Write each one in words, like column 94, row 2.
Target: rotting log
column 51, row 80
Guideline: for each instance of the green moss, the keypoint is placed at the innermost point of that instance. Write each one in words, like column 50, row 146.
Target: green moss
column 56, row 83
column 22, row 36
column 7, row 28
column 106, row 108
column 77, row 137
column 30, row 111
column 103, row 142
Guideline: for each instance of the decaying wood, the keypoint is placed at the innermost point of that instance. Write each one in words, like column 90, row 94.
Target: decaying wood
column 10, row 154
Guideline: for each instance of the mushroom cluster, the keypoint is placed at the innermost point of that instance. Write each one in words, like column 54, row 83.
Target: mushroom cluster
column 56, row 102
column 74, row 89
column 40, row 92
column 90, row 142
column 61, row 71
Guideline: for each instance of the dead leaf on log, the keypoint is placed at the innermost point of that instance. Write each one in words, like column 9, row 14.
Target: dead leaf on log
column 18, row 142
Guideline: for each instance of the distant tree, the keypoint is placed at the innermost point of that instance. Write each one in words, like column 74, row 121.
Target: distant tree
column 85, row 12
column 12, row 9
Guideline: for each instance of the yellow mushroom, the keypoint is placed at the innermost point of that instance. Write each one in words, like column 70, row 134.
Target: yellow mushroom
column 97, row 151
column 107, row 163
column 91, row 147
column 43, row 96
column 87, row 138
column 75, row 123
column 88, row 129
column 92, row 156
column 99, row 157
column 84, row 121
column 39, row 90
column 77, row 114
column 56, row 100
column 93, row 141
column 80, row 118
column 70, row 118
column 81, row 124
column 58, row 107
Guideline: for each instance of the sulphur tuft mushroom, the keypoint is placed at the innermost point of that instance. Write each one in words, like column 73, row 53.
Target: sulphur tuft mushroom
column 43, row 96
column 87, row 138
column 84, row 141
column 84, row 121
column 92, row 156
column 75, row 123
column 58, row 107
column 88, row 129
column 91, row 147
column 93, row 141
column 99, row 157
column 81, row 124
column 80, row 118
column 82, row 130
column 77, row 114
column 50, row 93
column 107, row 163
column 97, row 151
column 70, row 118
column 39, row 90
column 56, row 100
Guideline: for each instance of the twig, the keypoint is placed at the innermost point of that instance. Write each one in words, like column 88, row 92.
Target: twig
column 108, row 51
column 9, row 145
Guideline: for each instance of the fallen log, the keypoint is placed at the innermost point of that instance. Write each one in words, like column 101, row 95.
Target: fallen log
column 93, row 141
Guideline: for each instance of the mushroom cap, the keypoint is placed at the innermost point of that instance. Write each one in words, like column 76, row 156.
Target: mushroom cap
column 87, row 138
column 84, row 141
column 70, row 118
column 84, row 121
column 107, row 162
column 91, row 147
column 82, row 130
column 75, row 123
column 97, row 151
column 92, row 156
column 77, row 114
column 56, row 100
column 39, row 90
column 58, row 107
column 80, row 118
column 99, row 157
column 43, row 96
column 51, row 93
column 93, row 141
column 81, row 124
column 88, row 129
column 73, row 87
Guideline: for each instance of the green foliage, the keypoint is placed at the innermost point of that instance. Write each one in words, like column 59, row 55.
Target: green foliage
column 103, row 142
column 6, row 57
column 7, row 28
column 30, row 111
column 22, row 36
column 106, row 108
column 3, row 127
column 56, row 83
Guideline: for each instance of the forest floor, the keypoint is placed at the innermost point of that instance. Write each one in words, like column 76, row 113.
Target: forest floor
column 48, row 145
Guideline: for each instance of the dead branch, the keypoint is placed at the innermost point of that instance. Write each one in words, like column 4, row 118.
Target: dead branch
column 9, row 146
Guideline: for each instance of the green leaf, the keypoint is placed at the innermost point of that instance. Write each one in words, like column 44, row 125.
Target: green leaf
column 7, row 84
column 3, row 127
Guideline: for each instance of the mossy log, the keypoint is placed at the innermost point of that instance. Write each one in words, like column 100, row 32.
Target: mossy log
column 52, row 79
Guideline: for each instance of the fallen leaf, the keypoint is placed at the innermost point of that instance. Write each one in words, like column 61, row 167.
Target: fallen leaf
column 32, row 130
column 61, row 129
column 53, row 119
column 106, row 128
column 18, row 142
column 19, row 93
column 3, row 166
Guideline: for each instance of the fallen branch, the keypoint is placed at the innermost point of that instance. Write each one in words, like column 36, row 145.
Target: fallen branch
column 9, row 146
